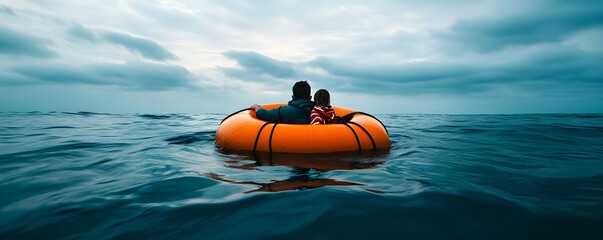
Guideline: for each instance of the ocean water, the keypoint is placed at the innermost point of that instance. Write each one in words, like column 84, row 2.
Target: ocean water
column 131, row 176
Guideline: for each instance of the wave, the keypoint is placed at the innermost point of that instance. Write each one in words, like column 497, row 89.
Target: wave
column 88, row 175
column 207, row 136
column 165, row 116
column 154, row 116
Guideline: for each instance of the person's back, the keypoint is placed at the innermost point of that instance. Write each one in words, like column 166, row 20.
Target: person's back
column 297, row 111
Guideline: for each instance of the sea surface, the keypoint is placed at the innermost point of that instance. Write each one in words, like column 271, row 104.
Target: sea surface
column 145, row 176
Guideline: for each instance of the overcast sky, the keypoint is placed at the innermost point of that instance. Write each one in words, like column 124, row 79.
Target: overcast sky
column 453, row 56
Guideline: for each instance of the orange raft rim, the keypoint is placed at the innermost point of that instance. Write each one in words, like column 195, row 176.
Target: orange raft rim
column 243, row 131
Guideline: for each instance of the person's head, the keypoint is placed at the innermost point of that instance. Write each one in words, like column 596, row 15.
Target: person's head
column 322, row 98
column 301, row 90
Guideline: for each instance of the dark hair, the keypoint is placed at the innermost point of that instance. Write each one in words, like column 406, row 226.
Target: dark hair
column 322, row 98
column 301, row 90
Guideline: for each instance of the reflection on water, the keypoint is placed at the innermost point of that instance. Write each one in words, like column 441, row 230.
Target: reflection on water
column 301, row 180
column 323, row 162
column 307, row 170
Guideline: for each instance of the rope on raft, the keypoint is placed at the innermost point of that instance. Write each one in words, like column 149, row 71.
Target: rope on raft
column 369, row 135
column 348, row 117
column 270, row 141
column 257, row 137
column 234, row 114
column 355, row 135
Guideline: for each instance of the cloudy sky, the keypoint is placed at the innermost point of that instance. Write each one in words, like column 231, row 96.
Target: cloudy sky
column 453, row 56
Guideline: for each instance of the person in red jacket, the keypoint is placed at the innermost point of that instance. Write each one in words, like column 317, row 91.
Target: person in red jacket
column 322, row 113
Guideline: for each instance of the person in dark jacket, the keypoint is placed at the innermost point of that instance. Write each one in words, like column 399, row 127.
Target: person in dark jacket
column 297, row 111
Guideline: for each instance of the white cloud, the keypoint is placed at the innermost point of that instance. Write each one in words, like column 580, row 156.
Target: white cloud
column 434, row 50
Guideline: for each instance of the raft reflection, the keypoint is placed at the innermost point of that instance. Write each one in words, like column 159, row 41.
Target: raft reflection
column 307, row 170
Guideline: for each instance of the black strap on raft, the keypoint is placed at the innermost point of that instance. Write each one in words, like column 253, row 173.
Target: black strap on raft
column 278, row 113
column 369, row 135
column 355, row 135
column 270, row 141
column 346, row 118
column 234, row 114
column 258, row 138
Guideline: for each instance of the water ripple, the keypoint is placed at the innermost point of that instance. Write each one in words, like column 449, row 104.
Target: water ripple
column 102, row 176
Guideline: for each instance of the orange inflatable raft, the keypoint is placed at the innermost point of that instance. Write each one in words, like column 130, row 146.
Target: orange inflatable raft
column 242, row 131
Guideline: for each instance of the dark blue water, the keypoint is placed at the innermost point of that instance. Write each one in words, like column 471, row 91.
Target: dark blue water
column 103, row 176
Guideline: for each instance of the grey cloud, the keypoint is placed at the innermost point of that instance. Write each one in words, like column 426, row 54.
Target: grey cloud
column 147, row 76
column 558, row 64
column 83, row 33
column 405, row 79
column 132, row 75
column 147, row 48
column 411, row 72
column 166, row 16
column 7, row 10
column 260, row 64
column 9, row 78
column 545, row 23
column 250, row 76
column 390, row 79
column 552, row 67
column 19, row 44
column 57, row 74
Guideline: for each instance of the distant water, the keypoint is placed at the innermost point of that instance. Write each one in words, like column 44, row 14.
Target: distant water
column 103, row 176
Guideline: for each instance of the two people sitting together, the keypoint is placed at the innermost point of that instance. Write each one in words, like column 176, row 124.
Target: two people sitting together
column 301, row 110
